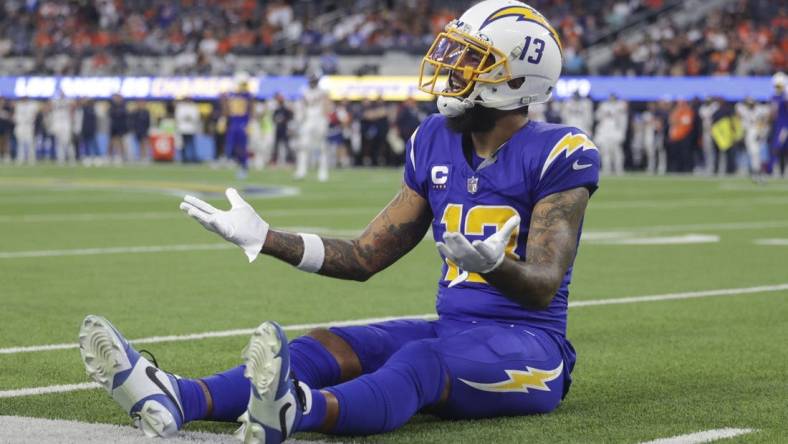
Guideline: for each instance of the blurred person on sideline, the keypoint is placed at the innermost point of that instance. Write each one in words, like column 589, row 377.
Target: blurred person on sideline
column 187, row 123
column 140, row 128
column 339, row 129
column 238, row 110
column 6, row 129
column 261, row 135
column 754, row 119
column 406, row 121
column 374, row 129
column 118, row 129
column 779, row 140
column 706, row 112
column 578, row 111
column 42, row 131
column 612, row 117
column 62, row 127
column 313, row 111
column 88, row 133
column 215, row 126
column 680, row 143
column 654, row 137
column 282, row 115
column 726, row 132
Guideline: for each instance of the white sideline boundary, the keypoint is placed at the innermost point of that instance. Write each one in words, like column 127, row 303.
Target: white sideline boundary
column 23, row 430
column 702, row 437
column 32, row 391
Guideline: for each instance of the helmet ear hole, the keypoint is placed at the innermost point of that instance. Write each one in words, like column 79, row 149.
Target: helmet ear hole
column 516, row 83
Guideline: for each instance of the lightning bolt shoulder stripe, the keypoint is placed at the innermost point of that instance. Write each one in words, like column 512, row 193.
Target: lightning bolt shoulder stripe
column 413, row 148
column 569, row 144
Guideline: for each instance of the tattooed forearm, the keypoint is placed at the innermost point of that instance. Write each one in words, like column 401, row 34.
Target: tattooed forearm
column 393, row 232
column 551, row 247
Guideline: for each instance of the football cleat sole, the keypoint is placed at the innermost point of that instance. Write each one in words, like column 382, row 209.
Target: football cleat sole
column 262, row 369
column 104, row 357
column 101, row 352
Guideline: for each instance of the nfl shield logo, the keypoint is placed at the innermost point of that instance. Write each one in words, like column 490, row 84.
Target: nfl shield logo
column 473, row 185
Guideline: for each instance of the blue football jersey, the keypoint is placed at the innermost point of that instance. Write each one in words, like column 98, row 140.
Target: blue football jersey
column 239, row 109
column 539, row 160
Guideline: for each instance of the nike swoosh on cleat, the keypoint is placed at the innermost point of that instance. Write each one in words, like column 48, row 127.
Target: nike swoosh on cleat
column 283, row 419
column 151, row 372
column 578, row 166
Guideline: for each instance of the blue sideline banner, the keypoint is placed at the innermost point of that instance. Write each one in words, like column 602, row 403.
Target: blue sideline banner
column 388, row 87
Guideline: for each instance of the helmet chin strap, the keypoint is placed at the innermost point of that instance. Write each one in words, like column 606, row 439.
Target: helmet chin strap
column 454, row 106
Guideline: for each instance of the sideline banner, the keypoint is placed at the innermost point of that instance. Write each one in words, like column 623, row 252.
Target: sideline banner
column 371, row 87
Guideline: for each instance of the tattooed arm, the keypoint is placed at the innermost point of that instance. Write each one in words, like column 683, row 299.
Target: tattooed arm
column 391, row 234
column 551, row 247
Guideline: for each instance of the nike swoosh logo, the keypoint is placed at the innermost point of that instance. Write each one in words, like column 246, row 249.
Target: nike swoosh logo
column 578, row 166
column 283, row 419
column 151, row 372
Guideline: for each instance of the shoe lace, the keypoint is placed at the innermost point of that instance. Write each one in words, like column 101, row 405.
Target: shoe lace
column 150, row 356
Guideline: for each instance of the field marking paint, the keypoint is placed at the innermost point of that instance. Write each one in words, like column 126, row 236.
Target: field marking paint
column 351, row 322
column 687, row 203
column 772, row 242
column 613, row 235
column 25, row 430
column 91, row 217
column 32, row 391
column 661, row 240
column 702, row 437
column 218, row 334
column 113, row 250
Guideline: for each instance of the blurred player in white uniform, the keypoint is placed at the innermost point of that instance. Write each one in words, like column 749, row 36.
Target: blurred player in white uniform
column 62, row 127
column 24, row 130
column 755, row 121
column 706, row 112
column 261, row 135
column 654, row 139
column 611, row 129
column 314, row 111
column 578, row 112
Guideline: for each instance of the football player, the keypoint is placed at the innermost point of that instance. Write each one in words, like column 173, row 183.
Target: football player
column 779, row 142
column 314, row 112
column 505, row 198
column 237, row 110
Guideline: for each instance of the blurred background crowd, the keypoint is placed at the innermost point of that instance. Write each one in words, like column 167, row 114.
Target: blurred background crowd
column 706, row 135
column 628, row 37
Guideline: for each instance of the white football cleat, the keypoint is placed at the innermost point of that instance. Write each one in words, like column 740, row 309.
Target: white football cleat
column 276, row 401
column 150, row 396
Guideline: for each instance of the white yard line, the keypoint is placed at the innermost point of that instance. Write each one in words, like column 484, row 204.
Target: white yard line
column 31, row 391
column 614, row 235
column 724, row 226
column 772, row 242
column 658, row 240
column 702, row 437
column 90, row 217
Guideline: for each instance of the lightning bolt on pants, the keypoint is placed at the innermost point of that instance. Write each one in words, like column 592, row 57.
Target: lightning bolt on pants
column 492, row 370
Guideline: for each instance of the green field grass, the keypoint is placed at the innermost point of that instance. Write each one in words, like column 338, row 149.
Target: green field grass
column 645, row 370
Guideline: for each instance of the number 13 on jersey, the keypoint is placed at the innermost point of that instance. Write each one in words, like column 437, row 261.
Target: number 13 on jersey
column 477, row 218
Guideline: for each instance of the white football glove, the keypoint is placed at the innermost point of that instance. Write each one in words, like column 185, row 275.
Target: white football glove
column 479, row 256
column 240, row 225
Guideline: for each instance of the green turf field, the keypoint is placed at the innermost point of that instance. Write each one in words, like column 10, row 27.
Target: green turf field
column 645, row 370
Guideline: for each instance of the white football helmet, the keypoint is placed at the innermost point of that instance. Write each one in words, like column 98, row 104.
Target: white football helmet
column 499, row 54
